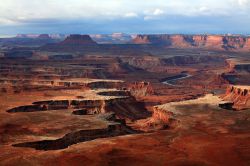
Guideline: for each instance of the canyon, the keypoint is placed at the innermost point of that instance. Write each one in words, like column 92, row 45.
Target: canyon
column 140, row 100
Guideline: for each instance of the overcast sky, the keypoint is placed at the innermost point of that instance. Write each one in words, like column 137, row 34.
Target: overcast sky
column 128, row 16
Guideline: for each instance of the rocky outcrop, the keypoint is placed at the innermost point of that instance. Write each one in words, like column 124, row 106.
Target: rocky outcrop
column 73, row 43
column 140, row 89
column 239, row 96
column 160, row 120
column 78, row 40
column 141, row 39
column 161, row 115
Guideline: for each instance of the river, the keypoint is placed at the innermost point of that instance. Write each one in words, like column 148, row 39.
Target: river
column 172, row 80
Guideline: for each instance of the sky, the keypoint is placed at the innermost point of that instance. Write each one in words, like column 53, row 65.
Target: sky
column 127, row 16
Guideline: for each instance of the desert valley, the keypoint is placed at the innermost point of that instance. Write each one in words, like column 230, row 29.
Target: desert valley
column 125, row 100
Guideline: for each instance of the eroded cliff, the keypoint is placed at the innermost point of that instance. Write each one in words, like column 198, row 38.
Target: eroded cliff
column 239, row 96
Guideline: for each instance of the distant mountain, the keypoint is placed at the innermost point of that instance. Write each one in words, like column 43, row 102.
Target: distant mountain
column 52, row 36
column 78, row 40
column 74, row 42
column 31, row 40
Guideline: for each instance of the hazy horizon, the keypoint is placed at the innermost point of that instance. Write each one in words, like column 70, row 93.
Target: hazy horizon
column 131, row 34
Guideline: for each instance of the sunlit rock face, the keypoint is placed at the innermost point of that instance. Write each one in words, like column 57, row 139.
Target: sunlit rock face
column 182, row 41
column 239, row 95
column 214, row 42
column 247, row 45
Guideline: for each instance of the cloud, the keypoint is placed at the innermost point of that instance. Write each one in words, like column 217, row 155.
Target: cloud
column 153, row 14
column 21, row 10
column 51, row 14
column 203, row 9
column 131, row 14
column 243, row 2
column 5, row 21
column 158, row 12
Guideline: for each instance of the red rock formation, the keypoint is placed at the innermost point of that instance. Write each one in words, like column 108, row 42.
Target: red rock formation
column 160, row 119
column 78, row 40
column 162, row 39
column 161, row 115
column 217, row 42
column 239, row 95
column 234, row 42
column 140, row 89
column 180, row 41
column 199, row 40
column 214, row 41
column 247, row 44
column 73, row 43
column 141, row 39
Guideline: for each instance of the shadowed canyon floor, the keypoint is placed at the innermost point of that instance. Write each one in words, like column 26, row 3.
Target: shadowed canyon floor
column 163, row 107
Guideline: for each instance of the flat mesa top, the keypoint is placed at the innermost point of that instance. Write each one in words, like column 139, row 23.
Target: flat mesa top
column 242, row 86
column 209, row 99
column 88, row 95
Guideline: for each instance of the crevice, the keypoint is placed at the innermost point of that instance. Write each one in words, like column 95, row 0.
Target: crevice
column 69, row 139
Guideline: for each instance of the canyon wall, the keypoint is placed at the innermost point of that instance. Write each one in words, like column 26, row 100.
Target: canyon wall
column 217, row 42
